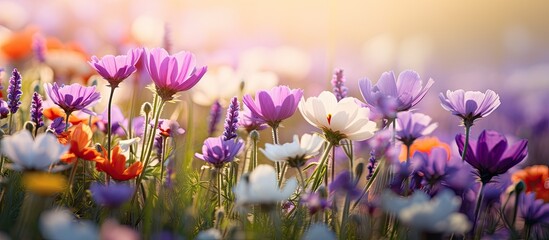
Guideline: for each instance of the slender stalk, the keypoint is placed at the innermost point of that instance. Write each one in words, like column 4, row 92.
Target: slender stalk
column 277, row 222
column 162, row 158
column 478, row 208
column 467, row 131
column 320, row 170
column 73, row 174
column 408, row 152
column 527, row 231
column 303, row 183
column 254, row 154
column 274, row 128
column 344, row 217
column 68, row 114
column 393, row 140
column 333, row 163
column 219, row 188
column 109, row 130
column 10, row 123
column 369, row 184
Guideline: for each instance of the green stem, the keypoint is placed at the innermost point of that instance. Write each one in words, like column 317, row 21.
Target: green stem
column 527, row 231
column 10, row 123
column 274, row 128
column 369, row 184
column 478, row 208
column 109, row 130
column 467, row 131
column 333, row 163
column 219, row 187
column 343, row 229
column 320, row 169
column 162, row 158
column 254, row 154
column 68, row 114
column 303, row 183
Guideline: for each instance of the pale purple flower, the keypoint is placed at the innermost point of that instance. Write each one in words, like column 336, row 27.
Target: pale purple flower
column 217, row 151
column 411, row 126
column 117, row 121
column 315, row 202
column 138, row 125
column 491, row 155
column 115, row 69
column 274, row 105
column 251, row 121
column 407, row 90
column 172, row 73
column 112, row 195
column 4, row 110
column 338, row 83
column 14, row 92
column 470, row 105
column 36, row 110
column 39, row 47
column 534, row 211
column 169, row 128
column 345, row 184
column 112, row 230
column 215, row 116
column 437, row 169
column 231, row 120
column 74, row 97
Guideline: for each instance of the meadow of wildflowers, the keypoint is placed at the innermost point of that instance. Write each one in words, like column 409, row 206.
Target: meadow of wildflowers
column 195, row 152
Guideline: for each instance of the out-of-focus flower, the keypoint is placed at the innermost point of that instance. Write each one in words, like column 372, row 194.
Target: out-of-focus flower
column 424, row 145
column 172, row 73
column 217, row 151
column 338, row 83
column 231, row 120
column 411, row 126
column 218, row 85
column 80, row 139
column 18, row 45
column 261, row 187
column 57, row 125
column 68, row 61
column 138, row 125
column 36, row 110
column 295, row 153
column 4, row 110
column 338, row 120
column 420, row 212
column 209, row 234
column 39, row 47
column 31, row 154
column 44, row 184
column 14, row 91
column 343, row 183
column 536, row 179
column 115, row 69
column 112, row 195
column 491, row 155
column 470, row 105
column 74, row 97
column 315, row 202
column 169, row 128
column 117, row 120
column 55, row 112
column 250, row 121
column 112, row 230
column 319, row 231
column 437, row 168
column 534, row 211
column 116, row 168
column 407, row 90
column 215, row 116
column 274, row 105
column 60, row 224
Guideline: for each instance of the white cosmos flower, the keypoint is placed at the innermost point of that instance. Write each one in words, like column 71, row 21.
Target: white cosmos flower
column 261, row 187
column 338, row 120
column 60, row 224
column 33, row 154
column 436, row 215
column 296, row 153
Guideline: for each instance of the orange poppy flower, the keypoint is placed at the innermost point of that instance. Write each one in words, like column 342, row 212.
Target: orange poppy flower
column 424, row 145
column 19, row 44
column 116, row 168
column 536, row 178
column 80, row 139
column 55, row 112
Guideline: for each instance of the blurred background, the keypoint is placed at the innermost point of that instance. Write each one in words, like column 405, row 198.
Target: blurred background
column 474, row 45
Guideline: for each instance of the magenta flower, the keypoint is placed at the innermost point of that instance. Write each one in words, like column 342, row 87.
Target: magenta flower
column 172, row 73
column 401, row 93
column 411, row 126
column 274, row 105
column 491, row 155
column 74, row 97
column 470, row 105
column 115, row 69
column 217, row 151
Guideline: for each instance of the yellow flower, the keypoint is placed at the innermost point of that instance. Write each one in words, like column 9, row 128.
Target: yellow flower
column 45, row 184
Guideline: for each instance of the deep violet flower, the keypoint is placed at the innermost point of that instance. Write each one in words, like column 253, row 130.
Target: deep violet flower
column 112, row 195
column 74, row 97
column 411, row 126
column 533, row 211
column 470, row 105
column 491, row 155
column 4, row 110
column 338, row 83
column 172, row 73
column 274, row 105
column 36, row 110
column 115, row 69
column 231, row 120
column 217, row 151
column 215, row 116
column 14, row 92
column 57, row 125
column 402, row 93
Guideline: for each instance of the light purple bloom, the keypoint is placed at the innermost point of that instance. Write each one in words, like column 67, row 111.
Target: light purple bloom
column 36, row 110
column 172, row 73
column 57, row 125
column 169, row 128
column 112, row 195
column 407, row 90
column 231, row 120
column 338, row 83
column 14, row 92
column 39, row 47
column 491, row 155
column 315, row 202
column 4, row 110
column 74, row 97
column 470, row 105
column 117, row 120
column 251, row 121
column 215, row 116
column 533, row 211
column 345, row 184
column 217, row 151
column 115, row 69
column 411, row 126
column 138, row 125
column 274, row 105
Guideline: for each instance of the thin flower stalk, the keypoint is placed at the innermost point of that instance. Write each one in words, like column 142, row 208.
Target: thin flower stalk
column 319, row 174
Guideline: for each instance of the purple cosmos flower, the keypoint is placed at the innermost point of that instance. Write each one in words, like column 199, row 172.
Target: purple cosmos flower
column 138, row 125
column 338, row 83
column 112, row 195
column 57, row 125
column 470, row 105
column 345, row 184
column 274, row 105
column 491, row 155
column 402, row 93
column 73, row 97
column 533, row 211
column 215, row 116
column 168, row 128
column 115, row 69
column 172, row 73
column 4, row 110
column 251, row 121
column 411, row 126
column 14, row 92
column 315, row 202
column 231, row 120
column 39, row 47
column 217, row 151
column 117, row 120
column 36, row 110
